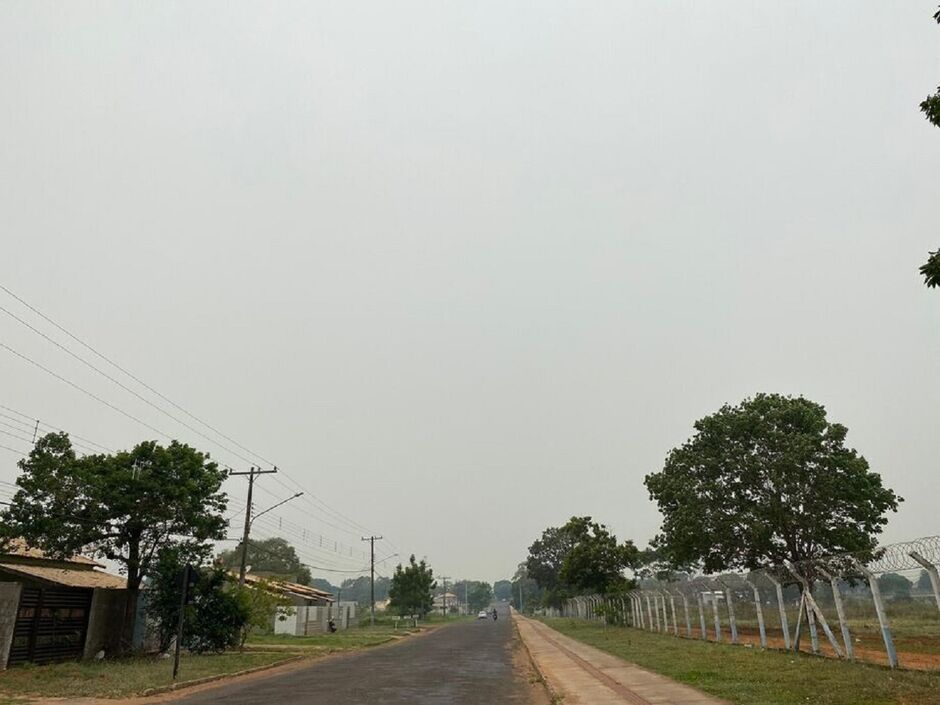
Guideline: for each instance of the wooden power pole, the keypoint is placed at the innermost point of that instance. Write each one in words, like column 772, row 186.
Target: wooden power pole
column 372, row 540
column 251, row 484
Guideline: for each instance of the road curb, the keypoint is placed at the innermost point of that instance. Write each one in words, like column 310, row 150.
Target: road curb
column 219, row 676
column 553, row 694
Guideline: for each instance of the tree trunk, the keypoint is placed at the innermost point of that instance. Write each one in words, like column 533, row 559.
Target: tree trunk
column 129, row 620
column 133, row 593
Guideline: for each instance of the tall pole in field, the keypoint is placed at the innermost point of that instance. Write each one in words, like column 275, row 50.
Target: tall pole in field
column 242, row 569
column 444, row 578
column 372, row 540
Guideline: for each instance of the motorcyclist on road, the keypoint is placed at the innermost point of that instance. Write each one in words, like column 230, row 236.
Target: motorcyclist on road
column 495, row 615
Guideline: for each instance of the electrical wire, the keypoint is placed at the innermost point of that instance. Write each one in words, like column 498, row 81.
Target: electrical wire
column 309, row 496
column 43, row 424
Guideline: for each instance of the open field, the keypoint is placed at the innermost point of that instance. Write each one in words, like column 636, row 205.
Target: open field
column 749, row 676
column 123, row 677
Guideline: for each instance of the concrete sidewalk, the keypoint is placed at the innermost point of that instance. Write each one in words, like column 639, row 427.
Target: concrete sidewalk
column 583, row 675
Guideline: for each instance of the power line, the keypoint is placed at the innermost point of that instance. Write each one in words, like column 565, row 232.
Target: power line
column 309, row 496
column 84, row 391
column 124, row 371
column 121, row 384
column 29, row 440
column 43, row 424
column 13, row 435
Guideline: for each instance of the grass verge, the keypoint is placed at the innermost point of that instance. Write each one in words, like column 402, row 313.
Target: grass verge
column 754, row 677
column 122, row 677
column 344, row 640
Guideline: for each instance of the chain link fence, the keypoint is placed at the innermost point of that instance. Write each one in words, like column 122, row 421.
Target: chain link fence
column 883, row 608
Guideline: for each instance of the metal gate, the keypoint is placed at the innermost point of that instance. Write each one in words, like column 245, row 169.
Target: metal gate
column 50, row 625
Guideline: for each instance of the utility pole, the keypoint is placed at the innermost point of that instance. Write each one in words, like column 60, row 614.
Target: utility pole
column 372, row 540
column 466, row 594
column 251, row 484
column 444, row 578
column 179, row 622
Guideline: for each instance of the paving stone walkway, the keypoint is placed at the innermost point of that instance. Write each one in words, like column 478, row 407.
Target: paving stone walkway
column 584, row 675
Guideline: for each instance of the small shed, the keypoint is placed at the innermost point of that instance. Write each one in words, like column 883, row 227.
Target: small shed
column 56, row 609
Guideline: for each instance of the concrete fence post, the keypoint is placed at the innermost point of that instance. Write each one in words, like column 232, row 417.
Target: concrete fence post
column 882, row 615
column 662, row 599
column 675, row 621
column 688, row 618
column 840, row 610
column 649, row 610
column 813, row 612
column 717, row 616
column 700, row 603
column 931, row 572
column 760, row 613
column 811, row 623
column 781, row 606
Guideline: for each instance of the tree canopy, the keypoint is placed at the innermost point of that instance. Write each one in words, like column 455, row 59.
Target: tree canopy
column 125, row 506
column 894, row 586
column 269, row 558
column 502, row 589
column 411, row 588
column 478, row 594
column 360, row 589
column 930, row 107
column 578, row 558
column 767, row 480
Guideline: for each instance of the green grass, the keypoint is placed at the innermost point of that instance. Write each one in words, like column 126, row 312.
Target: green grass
column 346, row 639
column 343, row 640
column 754, row 677
column 121, row 677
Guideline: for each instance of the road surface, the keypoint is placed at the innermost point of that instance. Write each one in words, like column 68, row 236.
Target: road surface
column 470, row 663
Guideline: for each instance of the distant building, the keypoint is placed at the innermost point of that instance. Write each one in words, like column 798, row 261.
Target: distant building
column 310, row 609
column 57, row 610
column 453, row 603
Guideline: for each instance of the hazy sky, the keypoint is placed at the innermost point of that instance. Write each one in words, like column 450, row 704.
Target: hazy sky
column 465, row 269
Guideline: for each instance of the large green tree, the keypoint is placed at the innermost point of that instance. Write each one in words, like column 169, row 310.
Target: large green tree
column 930, row 107
column 271, row 558
column 125, row 507
column 526, row 592
column 360, row 589
column 578, row 558
column 765, row 481
column 478, row 594
column 502, row 589
column 411, row 588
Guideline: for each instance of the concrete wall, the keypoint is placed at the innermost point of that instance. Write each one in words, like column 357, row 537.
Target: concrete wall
column 9, row 606
column 105, row 622
column 290, row 620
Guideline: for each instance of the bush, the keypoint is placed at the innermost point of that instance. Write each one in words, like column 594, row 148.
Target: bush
column 218, row 612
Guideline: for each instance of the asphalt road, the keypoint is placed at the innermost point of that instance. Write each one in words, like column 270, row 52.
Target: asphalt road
column 469, row 663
